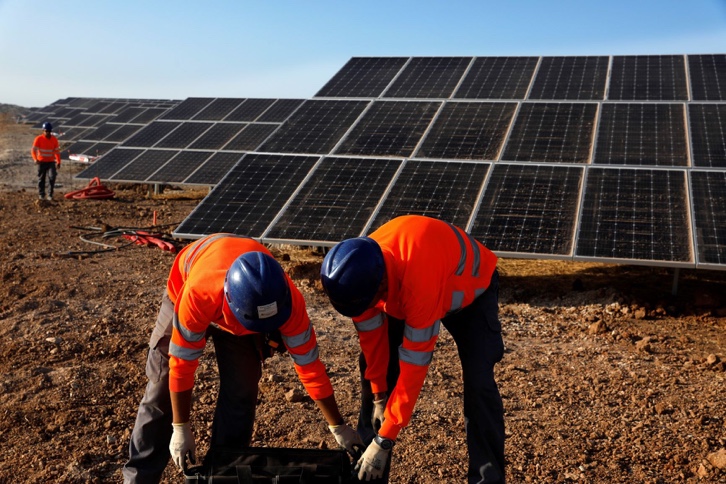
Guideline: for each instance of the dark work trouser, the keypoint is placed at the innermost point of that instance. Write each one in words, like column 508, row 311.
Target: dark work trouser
column 46, row 168
column 477, row 332
column 235, row 412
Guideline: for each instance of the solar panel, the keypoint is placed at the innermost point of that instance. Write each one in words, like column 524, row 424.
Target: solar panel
column 184, row 135
column 110, row 163
column 123, row 132
column 249, row 110
column 529, row 209
column 179, row 167
column 428, row 77
column 709, row 208
column 336, row 201
column 642, row 134
column 218, row 109
column 365, row 77
column 280, row 111
column 128, row 114
column 635, row 215
column 315, row 127
column 100, row 148
column 448, row 191
column 214, row 169
column 577, row 78
column 148, row 115
column 552, row 132
column 151, row 134
column 250, row 196
column 188, row 108
column 497, row 78
column 708, row 134
column 648, row 78
column 708, row 77
column 102, row 131
column 468, row 131
column 389, row 128
column 144, row 165
column 217, row 136
column 251, row 136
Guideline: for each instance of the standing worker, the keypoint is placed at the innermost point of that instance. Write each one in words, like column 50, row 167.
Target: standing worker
column 399, row 284
column 46, row 154
column 232, row 289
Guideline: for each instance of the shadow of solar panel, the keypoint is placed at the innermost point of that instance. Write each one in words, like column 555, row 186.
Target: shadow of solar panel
column 124, row 132
column 336, row 201
column 188, row 108
column 389, row 128
column 444, row 190
column 428, row 77
column 249, row 110
column 648, row 78
column 709, row 206
column 708, row 134
column 530, row 209
column 217, row 136
column 214, row 169
column 552, row 132
column 143, row 166
column 635, row 215
column 184, row 135
column 179, row 167
column 151, row 134
column 251, row 136
column 280, row 111
column 148, row 115
column 707, row 77
column 247, row 200
column 468, row 131
column 110, row 163
column 218, row 109
column 363, row 77
column 497, row 78
column 642, row 134
column 577, row 78
column 315, row 127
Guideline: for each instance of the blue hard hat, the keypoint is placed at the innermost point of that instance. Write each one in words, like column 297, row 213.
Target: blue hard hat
column 47, row 126
column 257, row 292
column 352, row 273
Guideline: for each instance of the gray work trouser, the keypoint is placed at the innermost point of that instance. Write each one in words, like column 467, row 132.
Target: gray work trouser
column 46, row 168
column 478, row 335
column 240, row 370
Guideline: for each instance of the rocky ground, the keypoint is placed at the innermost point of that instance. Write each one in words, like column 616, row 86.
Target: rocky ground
column 607, row 377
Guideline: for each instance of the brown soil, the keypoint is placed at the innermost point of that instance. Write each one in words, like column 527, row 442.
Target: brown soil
column 607, row 377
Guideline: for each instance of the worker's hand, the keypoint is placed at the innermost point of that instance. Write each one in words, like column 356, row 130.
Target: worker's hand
column 58, row 164
column 182, row 443
column 347, row 438
column 379, row 407
column 373, row 462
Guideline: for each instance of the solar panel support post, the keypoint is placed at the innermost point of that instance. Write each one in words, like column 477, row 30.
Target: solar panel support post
column 674, row 288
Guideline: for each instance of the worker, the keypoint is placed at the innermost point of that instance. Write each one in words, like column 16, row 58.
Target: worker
column 46, row 154
column 232, row 289
column 399, row 285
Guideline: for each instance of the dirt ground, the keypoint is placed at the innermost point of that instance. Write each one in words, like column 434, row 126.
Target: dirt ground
column 607, row 377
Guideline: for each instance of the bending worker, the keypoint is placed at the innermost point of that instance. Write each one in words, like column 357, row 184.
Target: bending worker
column 232, row 289
column 399, row 284
column 46, row 155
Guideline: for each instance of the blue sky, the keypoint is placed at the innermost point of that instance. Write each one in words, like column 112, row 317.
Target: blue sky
column 289, row 49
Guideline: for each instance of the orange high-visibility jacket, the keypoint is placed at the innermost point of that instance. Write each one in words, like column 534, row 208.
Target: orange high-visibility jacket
column 45, row 149
column 433, row 270
column 196, row 287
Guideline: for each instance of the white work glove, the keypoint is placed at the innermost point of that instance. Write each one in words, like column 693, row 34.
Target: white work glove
column 347, row 438
column 379, row 408
column 182, row 443
column 373, row 462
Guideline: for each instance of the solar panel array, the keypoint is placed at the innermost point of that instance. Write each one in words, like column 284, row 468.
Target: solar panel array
column 96, row 125
column 602, row 158
column 195, row 143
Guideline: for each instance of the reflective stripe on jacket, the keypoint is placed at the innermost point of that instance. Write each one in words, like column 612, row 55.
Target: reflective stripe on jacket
column 196, row 287
column 45, row 149
column 434, row 269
